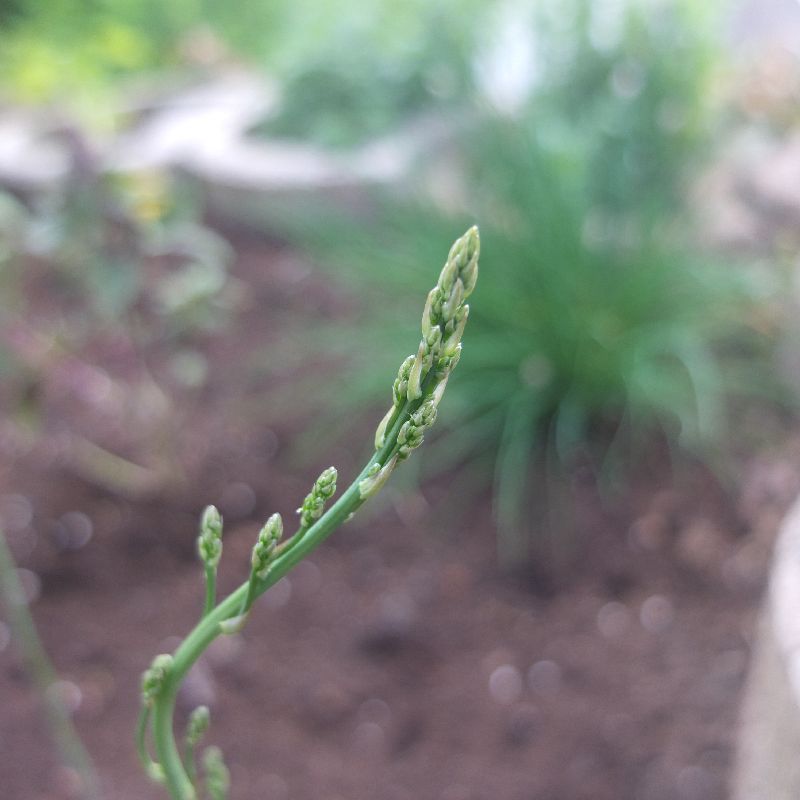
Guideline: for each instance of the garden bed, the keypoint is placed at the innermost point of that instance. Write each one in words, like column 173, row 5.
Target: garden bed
column 397, row 662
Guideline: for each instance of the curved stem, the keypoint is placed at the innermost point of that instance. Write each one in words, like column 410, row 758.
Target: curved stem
column 177, row 780
column 44, row 676
column 211, row 589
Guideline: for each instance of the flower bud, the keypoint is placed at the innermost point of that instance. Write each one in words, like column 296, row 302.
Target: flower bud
column 427, row 318
column 450, row 270
column 459, row 324
column 197, row 725
column 454, row 301
column 426, row 415
column 209, row 541
column 268, row 538
column 380, row 433
column 218, row 778
column 400, row 386
column 314, row 504
column 376, row 478
column 415, row 376
column 154, row 676
column 469, row 272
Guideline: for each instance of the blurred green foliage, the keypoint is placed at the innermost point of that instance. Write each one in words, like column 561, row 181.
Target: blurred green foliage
column 102, row 257
column 636, row 85
column 74, row 51
column 375, row 71
column 597, row 325
column 586, row 339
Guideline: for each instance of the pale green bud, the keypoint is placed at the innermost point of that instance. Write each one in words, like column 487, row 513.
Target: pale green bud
column 380, row 433
column 211, row 521
column 218, row 778
column 425, row 416
column 197, row 725
column 376, row 478
column 409, row 438
column 400, row 387
column 450, row 270
column 464, row 256
column 209, row 541
column 154, row 677
column 434, row 339
column 427, row 319
column 233, row 624
column 415, row 376
column 268, row 538
column 454, row 301
column 325, row 485
column 447, row 363
column 314, row 504
column 438, row 390
column 459, row 323
column 469, row 271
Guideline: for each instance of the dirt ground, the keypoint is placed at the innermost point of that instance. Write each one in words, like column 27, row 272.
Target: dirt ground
column 397, row 662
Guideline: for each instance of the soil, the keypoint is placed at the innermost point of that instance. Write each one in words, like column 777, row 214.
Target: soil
column 398, row 661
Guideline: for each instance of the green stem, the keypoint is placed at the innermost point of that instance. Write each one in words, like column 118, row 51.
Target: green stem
column 250, row 595
column 189, row 762
column 44, row 675
column 177, row 781
column 151, row 767
column 211, row 589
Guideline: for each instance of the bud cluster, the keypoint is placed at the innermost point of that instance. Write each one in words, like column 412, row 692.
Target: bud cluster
column 314, row 504
column 218, row 778
column 268, row 538
column 209, row 542
column 443, row 322
column 412, row 432
column 154, row 676
column 445, row 314
column 400, row 386
column 197, row 725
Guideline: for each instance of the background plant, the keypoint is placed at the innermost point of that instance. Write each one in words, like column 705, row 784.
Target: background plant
column 620, row 329
column 131, row 264
column 609, row 336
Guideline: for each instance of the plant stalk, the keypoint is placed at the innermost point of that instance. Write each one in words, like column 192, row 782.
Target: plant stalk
column 176, row 779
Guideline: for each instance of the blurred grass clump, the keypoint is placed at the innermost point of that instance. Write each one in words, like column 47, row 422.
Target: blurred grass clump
column 376, row 70
column 599, row 326
column 108, row 287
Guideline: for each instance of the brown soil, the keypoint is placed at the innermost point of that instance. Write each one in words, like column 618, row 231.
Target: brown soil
column 397, row 662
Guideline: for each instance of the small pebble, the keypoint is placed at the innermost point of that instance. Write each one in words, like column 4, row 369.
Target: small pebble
column 613, row 619
column 375, row 710
column 73, row 530
column 369, row 738
column 16, row 512
column 649, row 532
column 505, row 684
column 544, row 677
column 67, row 694
column 656, row 614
